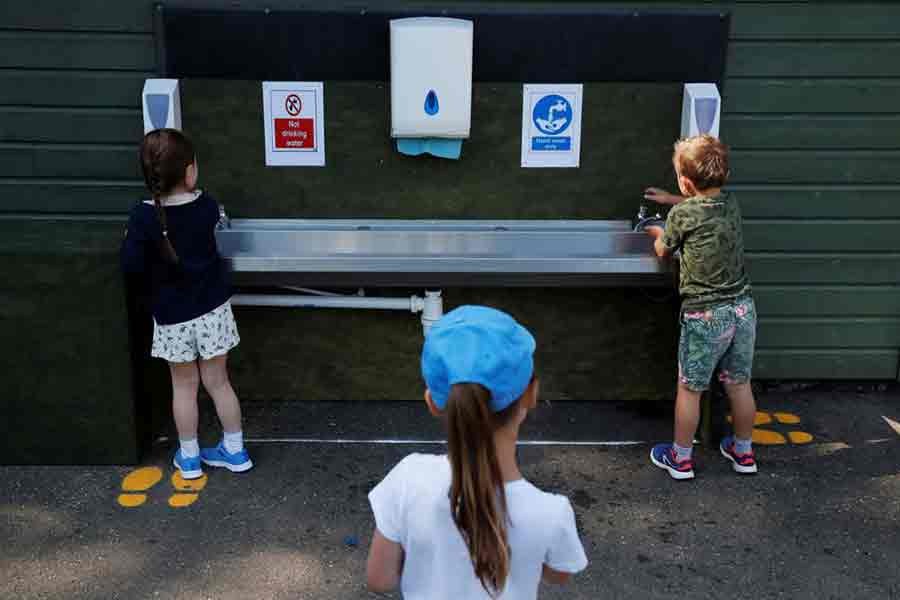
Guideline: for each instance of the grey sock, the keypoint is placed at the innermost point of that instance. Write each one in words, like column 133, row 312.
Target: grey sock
column 682, row 454
column 743, row 446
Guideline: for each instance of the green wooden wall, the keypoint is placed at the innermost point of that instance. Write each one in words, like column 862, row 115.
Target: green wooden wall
column 812, row 112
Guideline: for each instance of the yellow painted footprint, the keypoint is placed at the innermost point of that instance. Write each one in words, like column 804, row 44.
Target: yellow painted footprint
column 137, row 484
column 186, row 490
column 770, row 437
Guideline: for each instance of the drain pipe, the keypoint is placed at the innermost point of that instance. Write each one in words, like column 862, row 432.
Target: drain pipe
column 431, row 306
column 432, row 309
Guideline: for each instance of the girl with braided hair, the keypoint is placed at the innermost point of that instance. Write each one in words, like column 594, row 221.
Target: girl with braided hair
column 171, row 244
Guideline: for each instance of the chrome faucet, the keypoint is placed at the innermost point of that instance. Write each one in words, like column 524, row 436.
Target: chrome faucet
column 224, row 222
column 644, row 218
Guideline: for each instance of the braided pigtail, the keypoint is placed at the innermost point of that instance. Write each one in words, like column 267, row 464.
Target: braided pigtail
column 165, row 156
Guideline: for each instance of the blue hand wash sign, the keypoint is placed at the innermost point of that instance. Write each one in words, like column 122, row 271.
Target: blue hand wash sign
column 552, row 115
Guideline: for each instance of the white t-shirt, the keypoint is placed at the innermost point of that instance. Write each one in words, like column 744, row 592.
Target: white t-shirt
column 412, row 508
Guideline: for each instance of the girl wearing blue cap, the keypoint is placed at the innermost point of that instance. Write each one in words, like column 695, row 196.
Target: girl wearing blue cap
column 467, row 524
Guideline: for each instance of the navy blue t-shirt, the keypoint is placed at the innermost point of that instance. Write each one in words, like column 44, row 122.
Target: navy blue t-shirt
column 198, row 283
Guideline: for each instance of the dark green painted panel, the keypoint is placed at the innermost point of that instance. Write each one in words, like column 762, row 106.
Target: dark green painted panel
column 772, row 201
column 107, row 125
column 72, row 88
column 63, row 335
column 30, row 50
column 827, row 301
column 69, row 160
column 68, row 196
column 369, row 355
column 749, row 132
column 825, row 364
column 814, row 59
column 83, row 15
column 869, row 332
column 784, row 268
column 811, row 96
column 815, row 166
column 331, row 355
column 366, row 177
column 821, row 236
column 815, row 21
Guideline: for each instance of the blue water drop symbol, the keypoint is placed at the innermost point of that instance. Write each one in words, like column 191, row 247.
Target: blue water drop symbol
column 431, row 103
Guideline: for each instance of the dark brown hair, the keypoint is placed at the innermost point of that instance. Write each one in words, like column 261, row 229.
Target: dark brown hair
column 165, row 156
column 477, row 496
column 704, row 160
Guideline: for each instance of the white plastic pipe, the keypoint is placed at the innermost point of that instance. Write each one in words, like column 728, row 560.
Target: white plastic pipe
column 431, row 306
column 288, row 300
column 432, row 310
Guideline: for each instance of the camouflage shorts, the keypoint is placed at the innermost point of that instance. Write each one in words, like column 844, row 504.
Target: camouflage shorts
column 723, row 337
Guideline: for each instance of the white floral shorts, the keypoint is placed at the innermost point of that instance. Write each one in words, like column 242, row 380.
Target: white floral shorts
column 207, row 336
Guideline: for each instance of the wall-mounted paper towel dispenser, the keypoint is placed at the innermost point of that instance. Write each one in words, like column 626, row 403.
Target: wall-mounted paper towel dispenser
column 431, row 77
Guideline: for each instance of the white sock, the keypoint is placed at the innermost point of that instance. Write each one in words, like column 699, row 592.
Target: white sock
column 743, row 446
column 682, row 454
column 190, row 448
column 234, row 442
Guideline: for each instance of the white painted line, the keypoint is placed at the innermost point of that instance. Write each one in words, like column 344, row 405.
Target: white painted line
column 892, row 424
column 401, row 442
column 880, row 441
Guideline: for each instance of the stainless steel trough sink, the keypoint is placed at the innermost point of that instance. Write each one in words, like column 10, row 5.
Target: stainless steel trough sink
column 440, row 253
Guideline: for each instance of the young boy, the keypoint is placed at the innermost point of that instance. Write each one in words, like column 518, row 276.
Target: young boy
column 718, row 317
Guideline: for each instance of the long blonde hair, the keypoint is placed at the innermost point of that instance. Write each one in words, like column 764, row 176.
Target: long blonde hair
column 477, row 496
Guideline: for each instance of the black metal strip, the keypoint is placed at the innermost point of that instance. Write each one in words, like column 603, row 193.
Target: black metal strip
column 583, row 45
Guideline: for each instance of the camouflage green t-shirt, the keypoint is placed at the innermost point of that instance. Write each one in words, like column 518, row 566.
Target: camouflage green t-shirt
column 709, row 233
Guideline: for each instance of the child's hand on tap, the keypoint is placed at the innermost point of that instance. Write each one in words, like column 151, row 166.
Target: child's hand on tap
column 661, row 196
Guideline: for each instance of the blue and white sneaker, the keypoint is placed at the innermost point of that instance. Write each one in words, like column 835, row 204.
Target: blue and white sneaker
column 741, row 463
column 190, row 467
column 220, row 457
column 663, row 456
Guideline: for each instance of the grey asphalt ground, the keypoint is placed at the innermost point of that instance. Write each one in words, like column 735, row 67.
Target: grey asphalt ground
column 821, row 520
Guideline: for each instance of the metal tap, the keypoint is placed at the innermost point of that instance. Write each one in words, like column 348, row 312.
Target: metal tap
column 644, row 218
column 224, row 222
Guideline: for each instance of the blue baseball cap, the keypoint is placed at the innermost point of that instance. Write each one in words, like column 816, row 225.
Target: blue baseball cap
column 477, row 344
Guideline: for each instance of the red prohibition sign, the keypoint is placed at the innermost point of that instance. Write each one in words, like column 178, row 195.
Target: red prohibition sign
column 292, row 105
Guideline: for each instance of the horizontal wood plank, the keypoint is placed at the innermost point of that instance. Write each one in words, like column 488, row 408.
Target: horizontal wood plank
column 84, row 15
column 835, row 235
column 815, row 166
column 70, row 125
column 826, row 364
column 814, row 59
column 65, row 160
column 815, row 21
column 827, row 301
column 817, row 132
column 868, row 332
column 832, row 268
column 72, row 88
column 35, row 50
column 810, row 96
column 816, row 201
column 68, row 196
column 60, row 236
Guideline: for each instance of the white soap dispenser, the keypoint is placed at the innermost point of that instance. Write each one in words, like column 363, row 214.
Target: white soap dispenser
column 161, row 102
column 700, row 110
